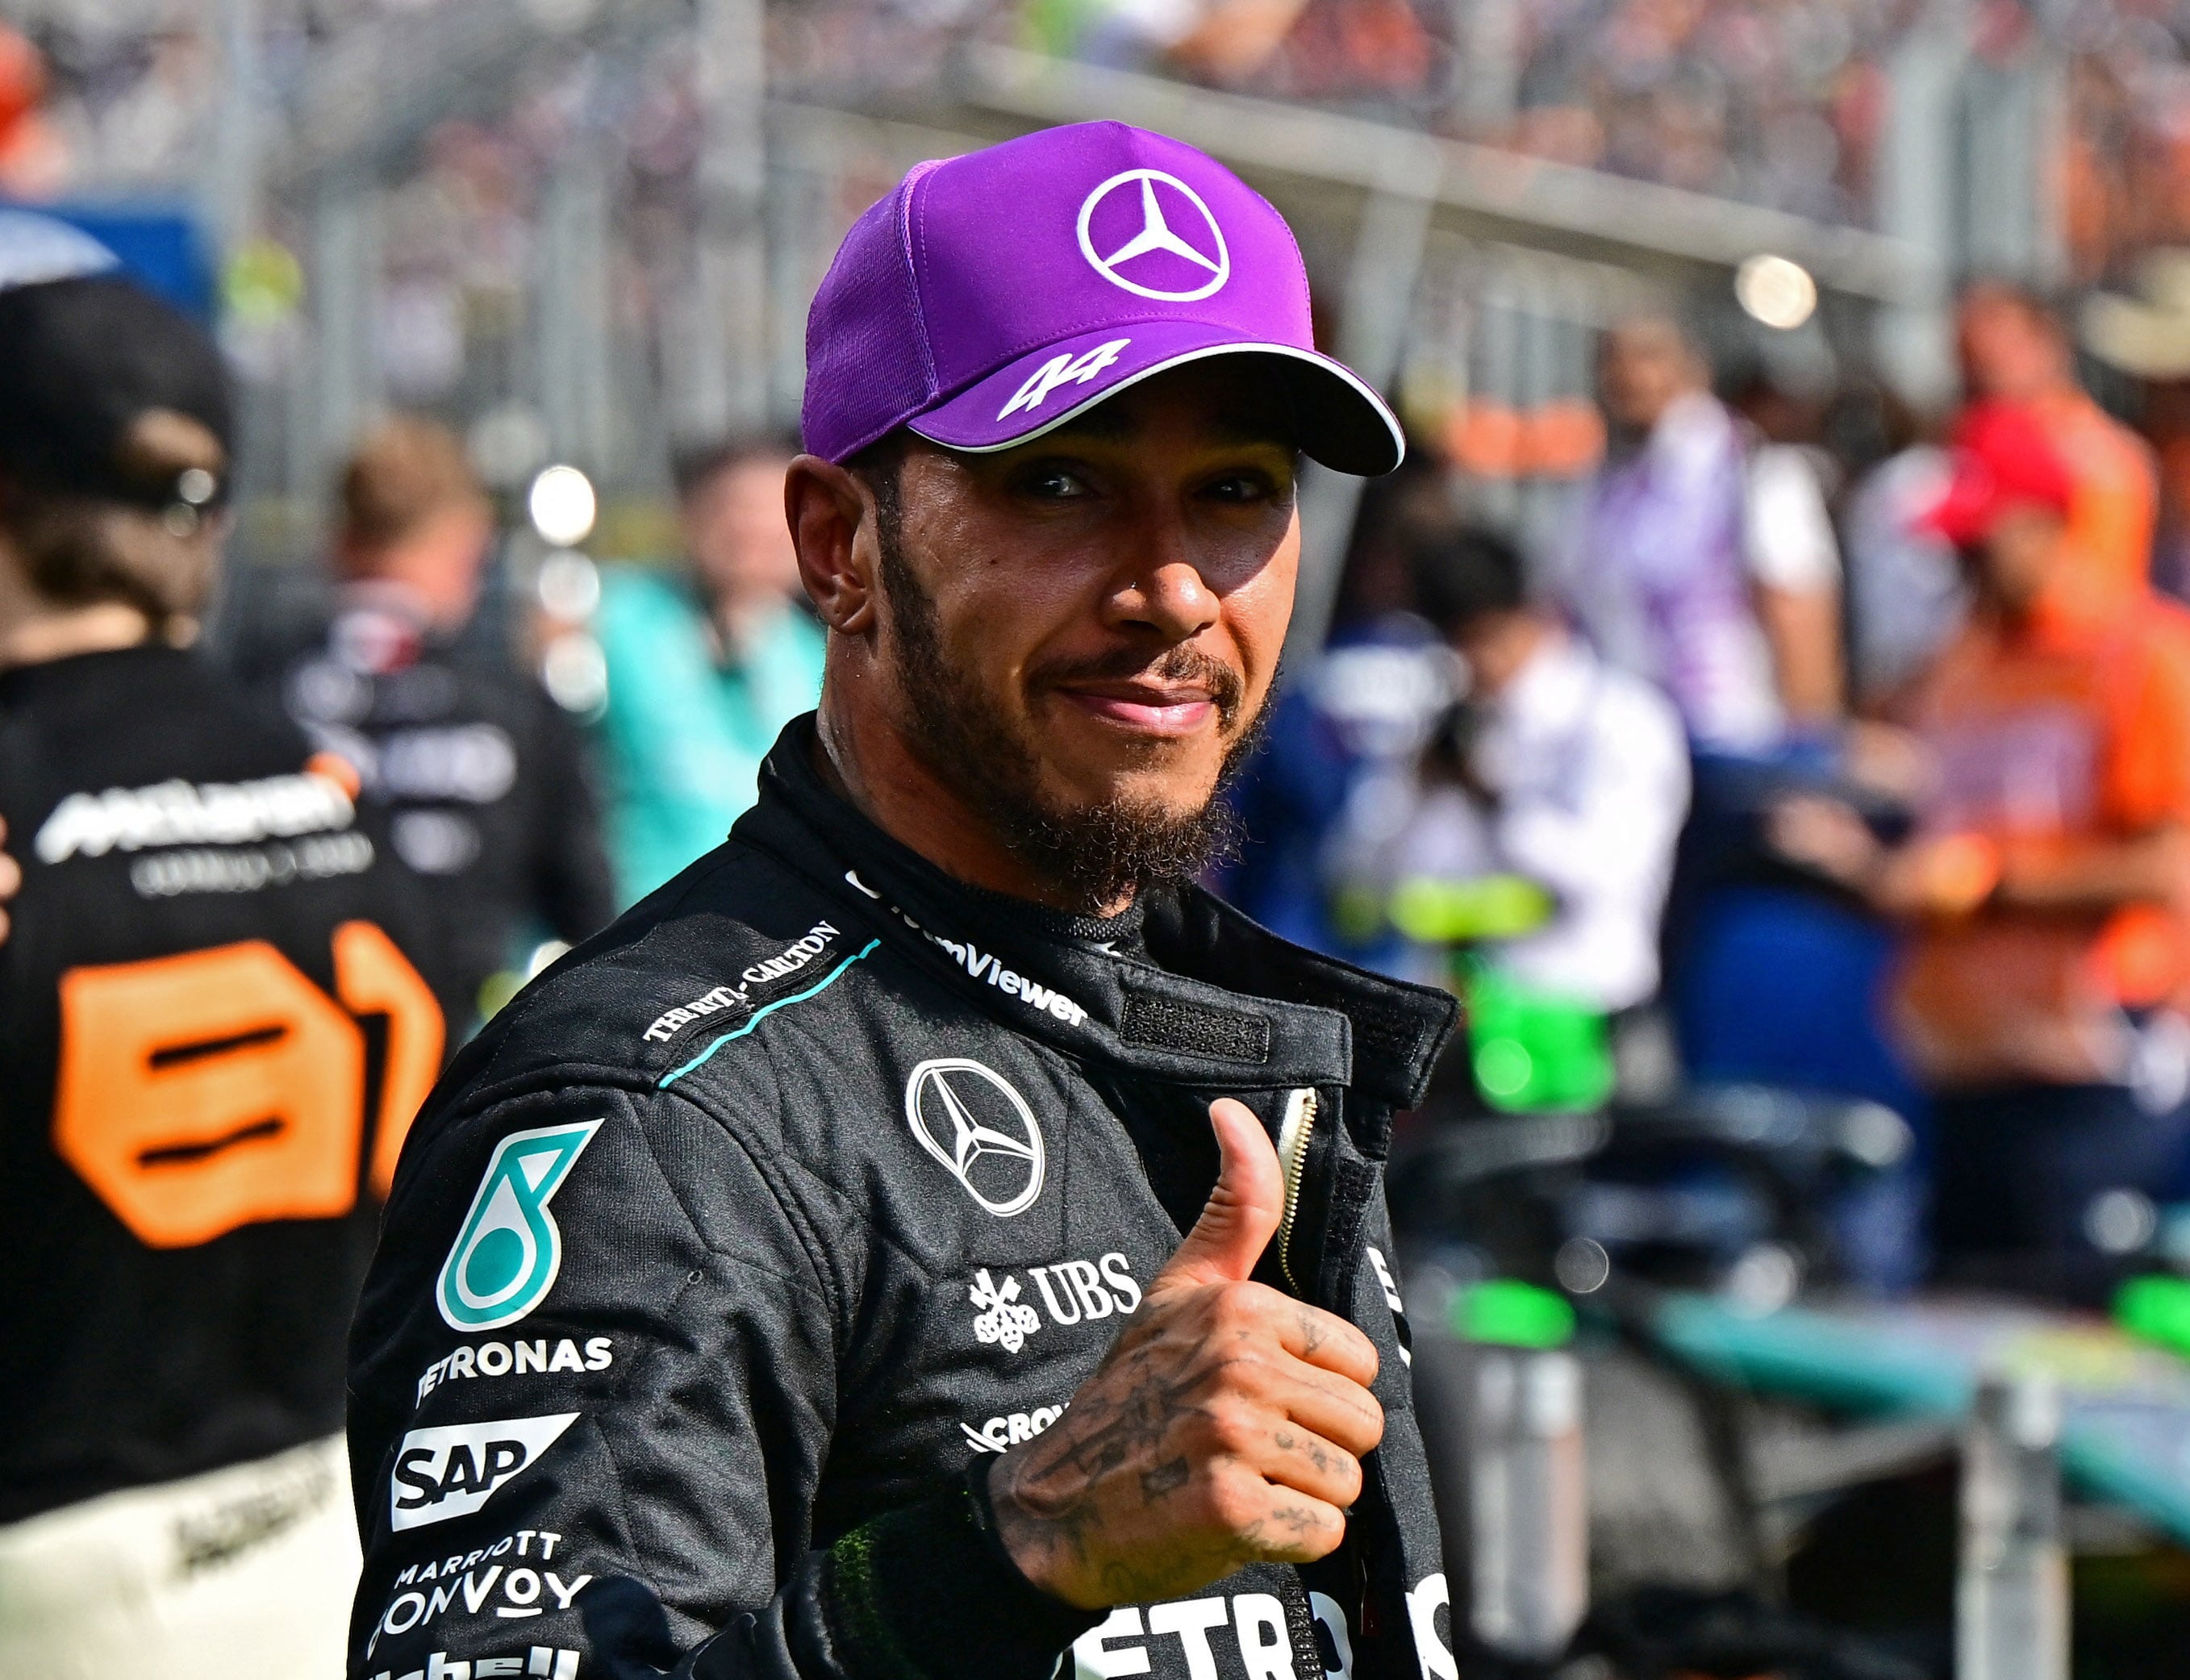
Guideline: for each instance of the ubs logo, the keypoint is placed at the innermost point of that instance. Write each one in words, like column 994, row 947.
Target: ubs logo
column 970, row 1118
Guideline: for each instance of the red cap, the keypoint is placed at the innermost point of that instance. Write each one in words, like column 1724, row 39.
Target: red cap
column 2003, row 459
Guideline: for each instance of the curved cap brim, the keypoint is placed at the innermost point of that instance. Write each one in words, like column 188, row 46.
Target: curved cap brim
column 1334, row 415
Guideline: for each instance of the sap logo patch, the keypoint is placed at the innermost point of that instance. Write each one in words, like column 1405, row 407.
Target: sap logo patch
column 508, row 1249
column 453, row 1469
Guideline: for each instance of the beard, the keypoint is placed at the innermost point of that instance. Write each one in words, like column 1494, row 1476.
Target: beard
column 1093, row 856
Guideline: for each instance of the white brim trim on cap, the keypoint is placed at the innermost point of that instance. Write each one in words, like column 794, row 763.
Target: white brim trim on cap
column 1367, row 455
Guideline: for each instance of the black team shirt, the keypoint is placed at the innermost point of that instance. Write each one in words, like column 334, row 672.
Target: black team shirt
column 212, row 1040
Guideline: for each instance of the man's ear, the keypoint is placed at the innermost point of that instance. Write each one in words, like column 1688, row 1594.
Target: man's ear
column 832, row 519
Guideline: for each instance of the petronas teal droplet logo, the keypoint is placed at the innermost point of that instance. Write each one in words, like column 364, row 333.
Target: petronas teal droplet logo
column 509, row 1249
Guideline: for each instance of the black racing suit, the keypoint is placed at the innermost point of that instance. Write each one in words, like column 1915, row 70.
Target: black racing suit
column 486, row 778
column 727, row 1251
column 211, row 1040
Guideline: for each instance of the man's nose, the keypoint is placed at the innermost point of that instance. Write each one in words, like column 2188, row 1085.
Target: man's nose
column 1165, row 590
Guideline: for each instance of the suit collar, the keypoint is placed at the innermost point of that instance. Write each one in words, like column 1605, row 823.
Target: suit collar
column 1220, row 1001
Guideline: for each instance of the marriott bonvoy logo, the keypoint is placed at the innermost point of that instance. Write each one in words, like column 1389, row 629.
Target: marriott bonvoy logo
column 985, row 965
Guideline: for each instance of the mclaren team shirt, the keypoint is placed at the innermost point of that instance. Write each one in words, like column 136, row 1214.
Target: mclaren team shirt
column 212, row 1039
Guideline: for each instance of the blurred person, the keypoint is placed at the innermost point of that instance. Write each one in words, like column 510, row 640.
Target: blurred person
column 2014, row 350
column 704, row 666
column 1906, row 591
column 1734, row 614
column 2146, row 335
column 492, row 800
column 212, row 1042
column 2045, row 885
column 1346, row 724
column 1528, row 851
column 1557, row 769
column 908, row 1152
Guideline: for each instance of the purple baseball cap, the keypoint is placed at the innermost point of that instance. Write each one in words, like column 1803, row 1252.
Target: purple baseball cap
column 992, row 297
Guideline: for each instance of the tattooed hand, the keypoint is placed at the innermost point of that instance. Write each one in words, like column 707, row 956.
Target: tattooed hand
column 1224, row 1427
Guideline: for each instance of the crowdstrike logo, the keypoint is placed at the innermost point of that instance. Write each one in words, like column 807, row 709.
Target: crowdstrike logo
column 1156, row 250
column 972, row 1120
column 453, row 1469
column 508, row 1249
column 1002, row 1433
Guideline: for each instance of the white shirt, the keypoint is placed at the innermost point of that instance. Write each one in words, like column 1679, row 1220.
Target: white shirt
column 1592, row 767
column 1657, row 570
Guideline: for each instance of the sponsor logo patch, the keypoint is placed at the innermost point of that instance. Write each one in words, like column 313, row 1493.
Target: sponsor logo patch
column 1001, row 1434
column 783, row 964
column 1172, row 249
column 508, row 1249
column 1252, row 1624
column 452, row 1470
column 973, row 1121
column 183, row 814
column 500, row 1359
column 1390, row 1288
column 510, row 1580
column 983, row 965
column 553, row 1662
column 1072, row 1290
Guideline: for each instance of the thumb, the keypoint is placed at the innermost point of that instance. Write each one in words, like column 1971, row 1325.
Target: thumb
column 1244, row 1209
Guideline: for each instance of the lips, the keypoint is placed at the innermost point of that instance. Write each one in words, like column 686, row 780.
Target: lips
column 1154, row 709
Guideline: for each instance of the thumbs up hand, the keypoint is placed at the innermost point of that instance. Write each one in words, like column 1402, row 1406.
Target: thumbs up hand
column 1224, row 1427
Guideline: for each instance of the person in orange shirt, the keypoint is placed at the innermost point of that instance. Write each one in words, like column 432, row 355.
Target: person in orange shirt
column 2045, row 885
column 2014, row 350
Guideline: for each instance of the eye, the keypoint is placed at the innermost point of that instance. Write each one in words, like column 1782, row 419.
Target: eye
column 1051, row 481
column 1245, row 487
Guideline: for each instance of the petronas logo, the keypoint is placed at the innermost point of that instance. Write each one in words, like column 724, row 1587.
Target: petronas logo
column 508, row 1252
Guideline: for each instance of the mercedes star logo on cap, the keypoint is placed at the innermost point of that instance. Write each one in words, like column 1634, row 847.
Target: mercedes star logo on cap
column 1153, row 237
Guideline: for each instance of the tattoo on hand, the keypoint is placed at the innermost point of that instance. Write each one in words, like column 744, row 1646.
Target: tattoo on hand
column 1164, row 1478
column 1311, row 1326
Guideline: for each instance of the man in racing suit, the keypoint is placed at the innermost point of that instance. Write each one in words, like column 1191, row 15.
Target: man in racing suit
column 791, row 1282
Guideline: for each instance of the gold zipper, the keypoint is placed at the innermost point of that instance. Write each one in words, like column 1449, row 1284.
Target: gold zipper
column 1293, row 1134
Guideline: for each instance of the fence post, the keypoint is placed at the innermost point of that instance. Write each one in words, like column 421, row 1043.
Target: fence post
column 2011, row 1596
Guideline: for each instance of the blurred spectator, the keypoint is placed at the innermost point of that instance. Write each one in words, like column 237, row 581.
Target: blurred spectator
column 213, row 1045
column 2044, row 882
column 1906, row 594
column 1733, row 613
column 2015, row 350
column 704, row 668
column 492, row 800
column 2146, row 337
column 1346, row 727
column 1555, row 770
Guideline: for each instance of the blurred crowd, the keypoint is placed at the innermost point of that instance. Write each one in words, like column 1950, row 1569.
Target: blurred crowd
column 1784, row 103
column 1827, row 747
